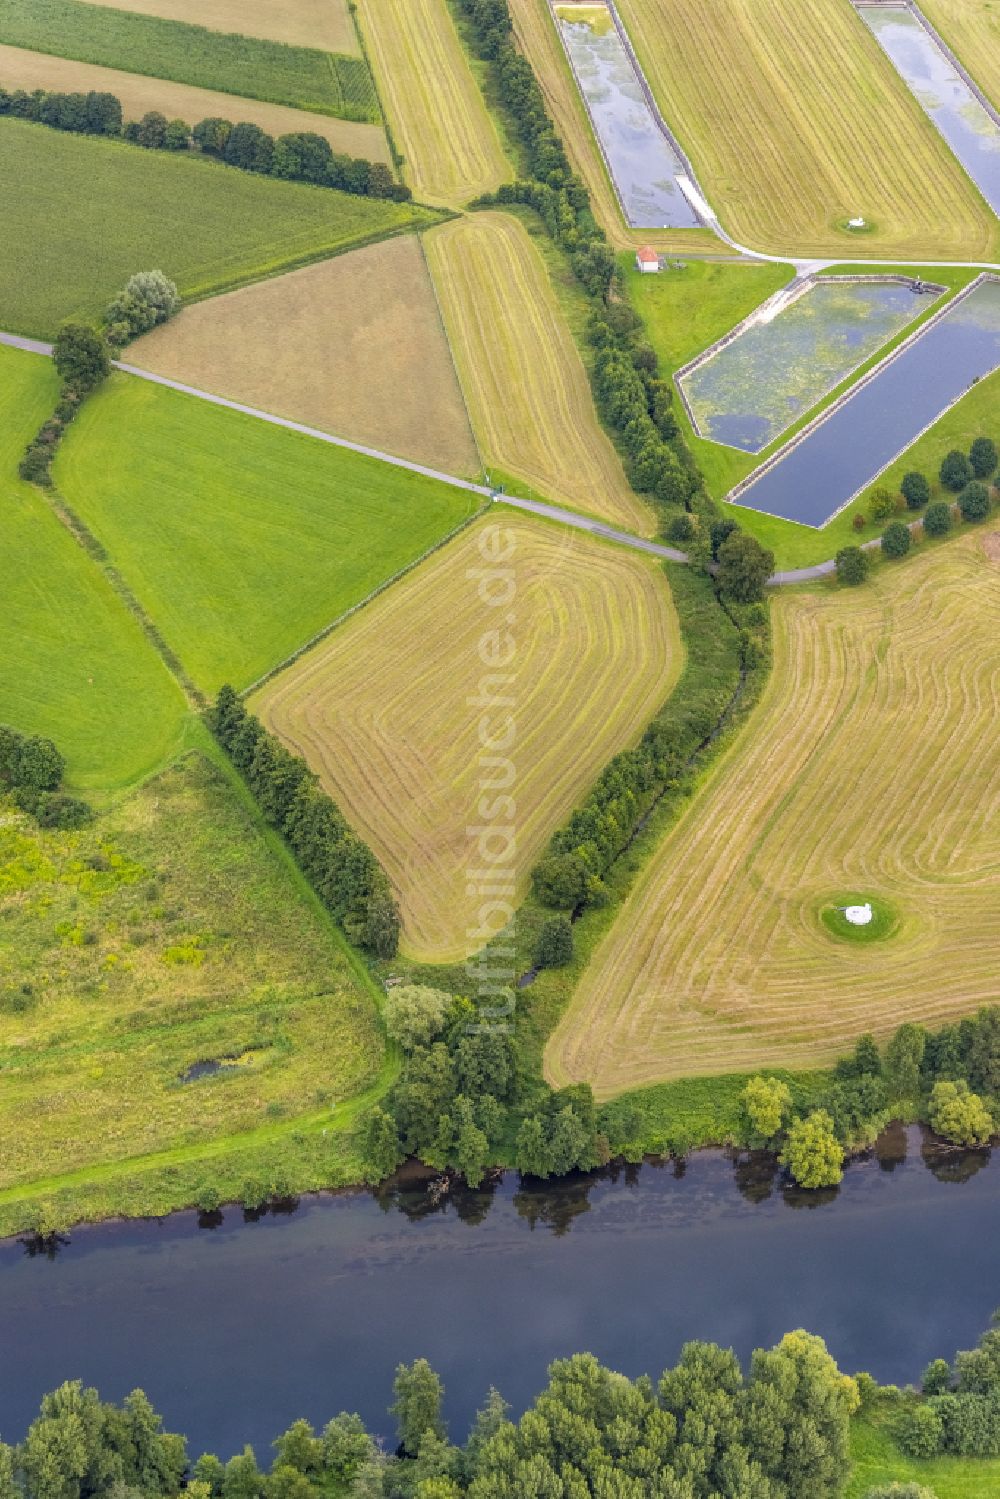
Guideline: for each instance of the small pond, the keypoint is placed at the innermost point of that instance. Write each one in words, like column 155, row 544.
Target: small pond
column 236, row 1323
column 833, row 460
column 643, row 163
column 970, row 129
column 790, row 354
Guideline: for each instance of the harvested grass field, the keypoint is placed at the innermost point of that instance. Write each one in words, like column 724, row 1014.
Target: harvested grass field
column 179, row 101
column 302, row 77
column 871, row 767
column 352, row 345
column 382, row 708
column 538, row 40
column 175, row 930
column 302, row 23
column 66, row 252
column 450, row 146
column 76, row 665
column 525, row 384
column 241, row 540
column 795, row 122
column 972, row 30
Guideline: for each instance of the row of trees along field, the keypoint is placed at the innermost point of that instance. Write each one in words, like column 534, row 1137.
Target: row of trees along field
column 300, row 156
column 339, row 865
column 704, row 1429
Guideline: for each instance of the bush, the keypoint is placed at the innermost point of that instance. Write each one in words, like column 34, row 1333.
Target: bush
column 813, row 1154
column 955, row 471
column 915, row 490
column 937, row 520
column 177, row 136
column 882, row 503
column 859, row 522
column 900, row 1491
column 744, row 567
column 149, row 298
column 81, row 356
column 853, row 565
column 974, row 501
column 983, row 457
column 681, row 529
column 415, row 1014
column 959, row 1115
column 920, row 1432
column 896, row 539
column 765, row 1102
column 56, row 810
column 554, row 948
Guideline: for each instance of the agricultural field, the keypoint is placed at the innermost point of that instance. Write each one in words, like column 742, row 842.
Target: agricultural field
column 208, row 227
column 450, row 146
column 240, row 539
column 77, row 666
column 352, row 345
column 174, row 930
column 871, row 769
column 541, row 45
column 179, row 101
column 304, row 23
column 381, row 709
column 527, row 390
column 302, row 77
column 972, row 30
column 795, row 122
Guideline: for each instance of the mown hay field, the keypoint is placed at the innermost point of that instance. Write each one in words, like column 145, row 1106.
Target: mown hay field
column 972, row 30
column 386, row 710
column 450, row 146
column 870, row 769
column 76, row 665
column 303, row 77
column 303, row 23
column 354, row 345
column 138, row 93
column 795, row 122
column 174, row 930
column 527, row 390
column 80, row 214
column 536, row 34
column 241, row 540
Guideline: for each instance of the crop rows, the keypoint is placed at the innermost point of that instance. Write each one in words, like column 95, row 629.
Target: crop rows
column 449, row 144
column 385, row 709
column 796, row 122
column 524, row 381
column 972, row 30
column 872, row 767
column 248, row 66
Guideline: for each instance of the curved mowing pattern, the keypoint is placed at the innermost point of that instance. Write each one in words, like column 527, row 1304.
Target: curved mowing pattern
column 525, row 384
column 872, row 764
column 790, row 355
column 796, row 121
column 449, row 144
column 382, row 708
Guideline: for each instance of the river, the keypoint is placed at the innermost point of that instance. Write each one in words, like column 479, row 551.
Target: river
column 235, row 1328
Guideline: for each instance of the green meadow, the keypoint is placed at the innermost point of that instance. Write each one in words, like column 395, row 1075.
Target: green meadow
column 240, row 539
column 76, row 665
column 80, row 215
column 877, row 1460
column 253, row 67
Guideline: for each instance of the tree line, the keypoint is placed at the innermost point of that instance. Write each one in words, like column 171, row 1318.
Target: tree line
column 339, row 865
column 31, row 771
column 703, row 1430
column 300, row 156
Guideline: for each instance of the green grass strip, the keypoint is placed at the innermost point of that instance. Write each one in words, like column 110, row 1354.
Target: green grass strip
column 252, row 67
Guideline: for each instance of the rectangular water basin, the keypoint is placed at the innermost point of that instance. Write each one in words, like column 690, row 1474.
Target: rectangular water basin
column 791, row 352
column 947, row 97
column 845, row 449
column 644, row 164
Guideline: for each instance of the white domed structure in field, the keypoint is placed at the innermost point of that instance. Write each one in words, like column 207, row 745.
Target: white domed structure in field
column 859, row 915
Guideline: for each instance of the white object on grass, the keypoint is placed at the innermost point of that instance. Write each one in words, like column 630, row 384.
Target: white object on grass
column 859, row 915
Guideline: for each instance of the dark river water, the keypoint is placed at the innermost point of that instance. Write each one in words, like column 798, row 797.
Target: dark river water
column 235, row 1330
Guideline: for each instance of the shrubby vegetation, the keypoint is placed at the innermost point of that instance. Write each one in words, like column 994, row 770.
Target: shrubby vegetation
column 896, row 539
column 704, row 1429
column 301, row 156
column 853, row 565
column 149, row 298
column 31, row 770
column 341, row 868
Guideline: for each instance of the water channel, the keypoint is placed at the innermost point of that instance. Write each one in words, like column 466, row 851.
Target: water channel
column 644, row 165
column 236, row 1327
column 845, row 451
column 791, row 353
column 969, row 127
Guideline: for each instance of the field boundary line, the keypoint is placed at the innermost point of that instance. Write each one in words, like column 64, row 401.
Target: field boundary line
column 369, row 598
